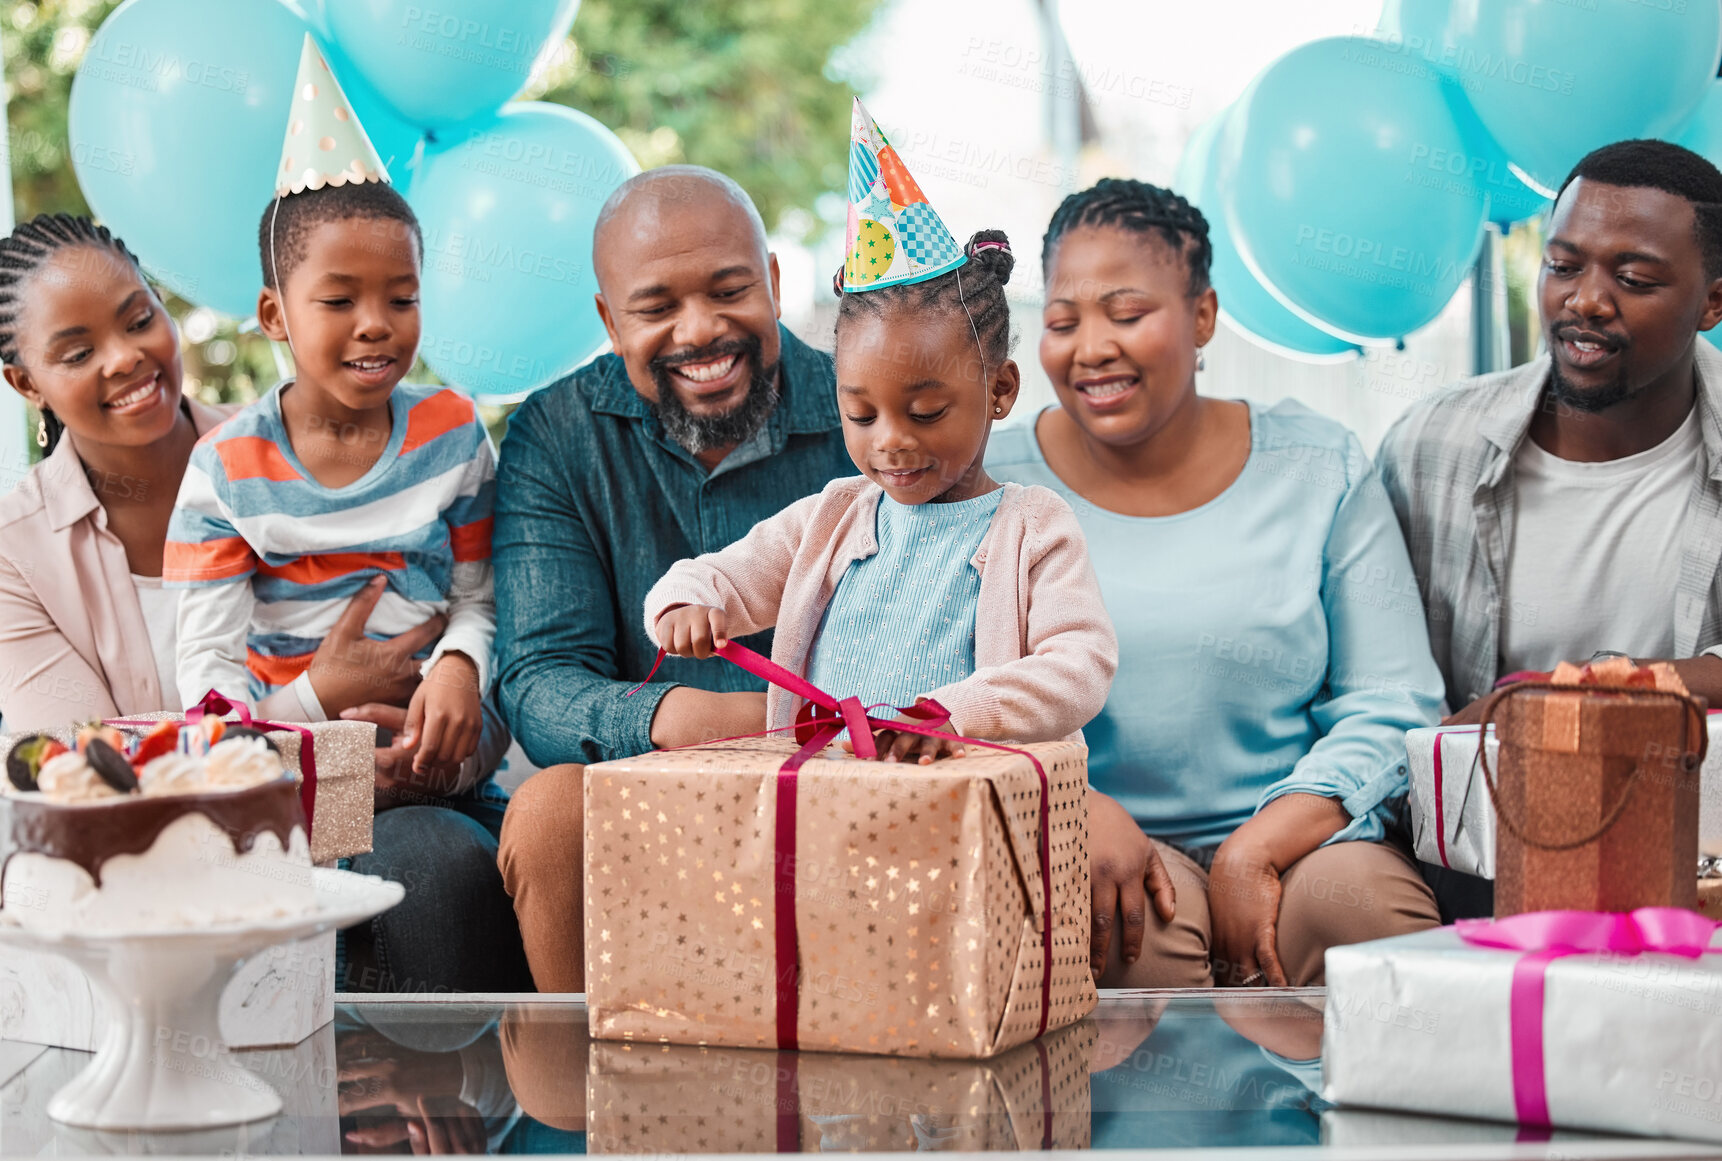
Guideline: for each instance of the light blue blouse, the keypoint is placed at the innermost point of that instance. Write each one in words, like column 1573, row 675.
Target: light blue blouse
column 1270, row 642
column 902, row 621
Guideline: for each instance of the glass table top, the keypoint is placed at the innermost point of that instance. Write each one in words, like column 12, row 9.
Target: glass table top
column 1215, row 1075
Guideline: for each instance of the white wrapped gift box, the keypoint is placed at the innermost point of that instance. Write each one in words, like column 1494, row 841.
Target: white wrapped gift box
column 1453, row 821
column 276, row 998
column 1423, row 1023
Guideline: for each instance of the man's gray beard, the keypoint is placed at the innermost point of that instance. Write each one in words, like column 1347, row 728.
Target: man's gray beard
column 1590, row 402
column 701, row 433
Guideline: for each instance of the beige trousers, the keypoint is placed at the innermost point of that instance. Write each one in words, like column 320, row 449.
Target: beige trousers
column 1339, row 894
column 542, row 857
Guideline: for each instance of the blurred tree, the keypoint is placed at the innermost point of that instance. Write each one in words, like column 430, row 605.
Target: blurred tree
column 744, row 86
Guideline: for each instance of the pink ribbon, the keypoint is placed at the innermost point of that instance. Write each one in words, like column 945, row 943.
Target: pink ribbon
column 1545, row 936
column 219, row 705
column 815, row 732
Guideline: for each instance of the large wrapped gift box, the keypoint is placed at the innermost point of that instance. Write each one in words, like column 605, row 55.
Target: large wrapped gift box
column 852, row 906
column 1430, row 1023
column 659, row 1098
column 1453, row 821
column 342, row 807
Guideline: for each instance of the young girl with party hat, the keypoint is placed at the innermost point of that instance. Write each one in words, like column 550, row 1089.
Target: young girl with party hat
column 342, row 476
column 922, row 578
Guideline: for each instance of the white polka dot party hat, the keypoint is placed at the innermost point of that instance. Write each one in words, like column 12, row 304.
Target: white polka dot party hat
column 325, row 143
column 895, row 237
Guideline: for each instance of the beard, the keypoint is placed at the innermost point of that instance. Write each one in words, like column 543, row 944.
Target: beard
column 702, row 433
column 1590, row 400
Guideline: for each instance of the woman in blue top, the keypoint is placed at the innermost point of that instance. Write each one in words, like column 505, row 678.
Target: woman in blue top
column 1272, row 647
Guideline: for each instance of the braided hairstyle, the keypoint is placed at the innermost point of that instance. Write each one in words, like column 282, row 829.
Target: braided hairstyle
column 977, row 284
column 22, row 253
column 1138, row 208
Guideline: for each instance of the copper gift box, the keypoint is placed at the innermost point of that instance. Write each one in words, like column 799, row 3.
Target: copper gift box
column 677, row 1099
column 851, row 906
column 1596, row 812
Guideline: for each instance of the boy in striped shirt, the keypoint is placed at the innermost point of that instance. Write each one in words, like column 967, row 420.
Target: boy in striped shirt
column 340, row 475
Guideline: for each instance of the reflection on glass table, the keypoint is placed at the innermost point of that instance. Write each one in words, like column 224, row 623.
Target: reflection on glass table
column 1179, row 1073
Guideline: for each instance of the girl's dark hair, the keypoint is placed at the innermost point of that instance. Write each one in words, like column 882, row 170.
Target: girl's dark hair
column 977, row 284
column 22, row 253
column 1139, row 208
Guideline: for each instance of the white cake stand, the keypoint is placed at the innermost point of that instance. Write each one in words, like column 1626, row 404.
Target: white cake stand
column 161, row 1064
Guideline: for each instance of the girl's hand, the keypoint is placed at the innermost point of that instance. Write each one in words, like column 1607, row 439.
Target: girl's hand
column 693, row 631
column 902, row 746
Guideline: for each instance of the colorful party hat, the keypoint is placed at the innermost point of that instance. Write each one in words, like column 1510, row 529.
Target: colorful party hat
column 895, row 237
column 325, row 143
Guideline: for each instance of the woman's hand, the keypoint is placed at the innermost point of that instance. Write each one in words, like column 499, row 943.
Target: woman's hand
column 692, row 631
column 1126, row 871
column 1244, row 884
column 350, row 669
column 1244, row 908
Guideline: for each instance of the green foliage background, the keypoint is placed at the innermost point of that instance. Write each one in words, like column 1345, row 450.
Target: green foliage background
column 747, row 87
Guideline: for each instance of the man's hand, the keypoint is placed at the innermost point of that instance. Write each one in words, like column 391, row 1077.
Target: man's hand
column 350, row 669
column 395, row 781
column 692, row 631
column 444, row 720
column 687, row 716
column 1126, row 870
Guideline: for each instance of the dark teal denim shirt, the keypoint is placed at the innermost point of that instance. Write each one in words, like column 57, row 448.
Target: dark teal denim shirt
column 593, row 504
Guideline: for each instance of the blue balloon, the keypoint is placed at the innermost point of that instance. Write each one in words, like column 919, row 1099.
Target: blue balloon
column 443, row 63
column 507, row 212
column 176, row 120
column 1336, row 191
column 396, row 139
column 1250, row 310
column 1486, row 163
column 1551, row 82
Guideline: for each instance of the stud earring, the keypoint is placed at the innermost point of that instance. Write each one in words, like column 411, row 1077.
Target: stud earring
column 997, row 409
column 1201, row 360
column 41, row 431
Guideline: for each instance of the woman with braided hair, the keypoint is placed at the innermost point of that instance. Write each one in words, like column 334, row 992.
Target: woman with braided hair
column 1272, row 645
column 87, row 630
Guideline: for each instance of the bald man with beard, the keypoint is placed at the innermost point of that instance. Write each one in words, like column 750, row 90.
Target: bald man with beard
column 707, row 417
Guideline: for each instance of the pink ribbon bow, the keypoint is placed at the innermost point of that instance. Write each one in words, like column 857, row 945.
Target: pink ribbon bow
column 218, row 705
column 815, row 731
column 1546, row 936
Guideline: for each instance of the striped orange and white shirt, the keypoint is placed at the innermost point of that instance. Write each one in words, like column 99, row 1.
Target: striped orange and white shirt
column 269, row 557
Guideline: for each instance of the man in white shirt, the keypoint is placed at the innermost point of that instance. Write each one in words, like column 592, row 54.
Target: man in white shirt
column 1574, row 505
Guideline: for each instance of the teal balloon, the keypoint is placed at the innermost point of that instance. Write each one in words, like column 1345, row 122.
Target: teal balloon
column 442, row 63
column 396, row 139
column 176, row 120
column 1551, row 82
column 1485, row 163
column 1702, row 132
column 1335, row 190
column 507, row 210
column 1245, row 305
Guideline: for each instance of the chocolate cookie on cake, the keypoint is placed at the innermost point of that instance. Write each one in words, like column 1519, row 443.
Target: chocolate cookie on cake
column 192, row 826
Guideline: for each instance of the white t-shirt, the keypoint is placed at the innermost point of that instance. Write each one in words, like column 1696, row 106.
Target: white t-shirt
column 161, row 617
column 297, row 702
column 1595, row 553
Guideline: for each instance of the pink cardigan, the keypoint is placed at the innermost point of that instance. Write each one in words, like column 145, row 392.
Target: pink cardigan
column 1045, row 652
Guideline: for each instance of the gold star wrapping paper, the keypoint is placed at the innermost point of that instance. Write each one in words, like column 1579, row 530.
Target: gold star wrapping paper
column 918, row 904
column 346, row 776
column 657, row 1098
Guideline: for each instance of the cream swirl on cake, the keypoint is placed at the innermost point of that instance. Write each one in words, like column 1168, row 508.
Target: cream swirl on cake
column 211, row 837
